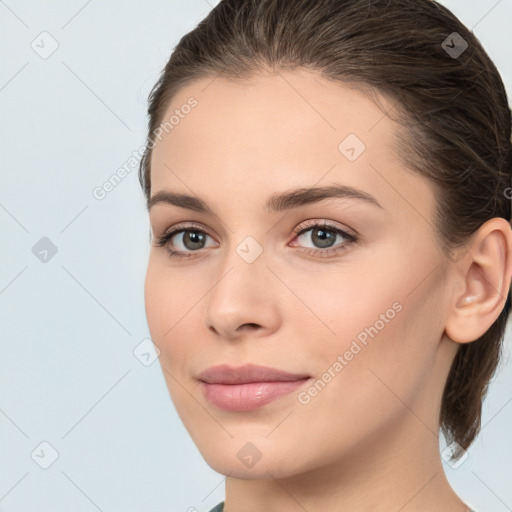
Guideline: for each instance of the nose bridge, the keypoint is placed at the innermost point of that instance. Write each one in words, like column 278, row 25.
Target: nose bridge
column 244, row 271
column 242, row 291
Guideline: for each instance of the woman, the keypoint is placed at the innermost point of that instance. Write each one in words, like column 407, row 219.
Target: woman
column 328, row 185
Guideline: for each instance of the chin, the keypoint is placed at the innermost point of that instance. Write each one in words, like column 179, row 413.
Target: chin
column 242, row 460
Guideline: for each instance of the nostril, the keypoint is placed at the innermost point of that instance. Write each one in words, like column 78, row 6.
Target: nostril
column 249, row 324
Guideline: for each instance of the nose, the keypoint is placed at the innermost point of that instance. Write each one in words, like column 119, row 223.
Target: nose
column 243, row 300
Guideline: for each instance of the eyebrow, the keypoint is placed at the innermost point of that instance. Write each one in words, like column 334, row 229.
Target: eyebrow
column 277, row 202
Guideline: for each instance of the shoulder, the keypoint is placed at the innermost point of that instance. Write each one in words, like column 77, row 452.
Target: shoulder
column 218, row 508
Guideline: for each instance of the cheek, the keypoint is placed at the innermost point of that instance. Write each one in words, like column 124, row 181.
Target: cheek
column 164, row 309
column 347, row 305
column 361, row 386
column 370, row 324
column 173, row 300
column 156, row 300
column 168, row 298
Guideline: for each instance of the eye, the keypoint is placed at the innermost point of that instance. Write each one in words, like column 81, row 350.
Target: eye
column 192, row 238
column 323, row 235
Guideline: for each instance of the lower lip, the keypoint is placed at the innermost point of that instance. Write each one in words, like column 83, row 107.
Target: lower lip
column 246, row 397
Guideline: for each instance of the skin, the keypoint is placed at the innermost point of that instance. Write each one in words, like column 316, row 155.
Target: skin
column 368, row 441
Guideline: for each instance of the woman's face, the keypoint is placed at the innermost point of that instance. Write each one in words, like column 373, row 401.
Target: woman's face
column 361, row 318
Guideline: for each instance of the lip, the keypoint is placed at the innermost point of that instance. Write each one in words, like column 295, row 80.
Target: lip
column 225, row 374
column 247, row 387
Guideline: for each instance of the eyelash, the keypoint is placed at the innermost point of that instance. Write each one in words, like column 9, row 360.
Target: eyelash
column 301, row 229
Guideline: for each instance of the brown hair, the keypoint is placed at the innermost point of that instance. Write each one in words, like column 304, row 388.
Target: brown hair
column 453, row 108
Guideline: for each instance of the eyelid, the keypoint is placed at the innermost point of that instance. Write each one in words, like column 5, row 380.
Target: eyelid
column 180, row 227
column 184, row 226
column 305, row 226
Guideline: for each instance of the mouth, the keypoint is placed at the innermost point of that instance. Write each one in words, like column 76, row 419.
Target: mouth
column 247, row 387
column 246, row 374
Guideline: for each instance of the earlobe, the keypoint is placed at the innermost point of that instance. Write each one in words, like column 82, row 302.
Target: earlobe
column 481, row 282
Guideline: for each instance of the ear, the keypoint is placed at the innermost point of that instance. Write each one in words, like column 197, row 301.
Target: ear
column 481, row 281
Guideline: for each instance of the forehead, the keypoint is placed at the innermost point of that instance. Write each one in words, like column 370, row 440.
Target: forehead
column 277, row 129
column 286, row 110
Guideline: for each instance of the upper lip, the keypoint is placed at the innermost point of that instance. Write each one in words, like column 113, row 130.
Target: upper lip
column 225, row 374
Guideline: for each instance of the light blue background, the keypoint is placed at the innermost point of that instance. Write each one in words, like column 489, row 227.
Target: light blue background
column 68, row 374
